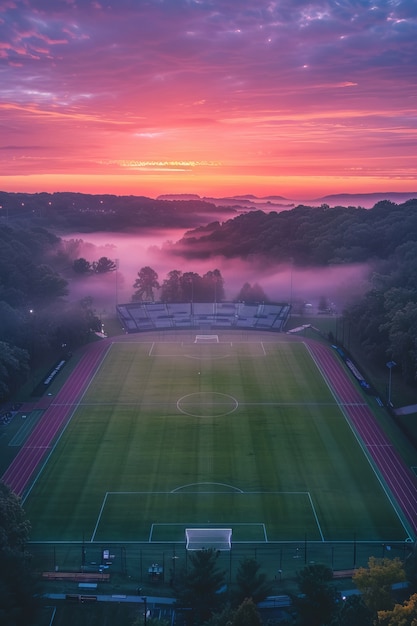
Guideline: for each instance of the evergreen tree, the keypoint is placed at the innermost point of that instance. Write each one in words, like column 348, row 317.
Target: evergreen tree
column 198, row 586
column 251, row 583
column 246, row 615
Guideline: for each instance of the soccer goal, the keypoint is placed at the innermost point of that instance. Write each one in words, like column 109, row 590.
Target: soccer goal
column 204, row 538
column 206, row 339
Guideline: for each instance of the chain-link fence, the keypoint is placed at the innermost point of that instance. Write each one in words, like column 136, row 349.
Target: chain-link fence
column 135, row 566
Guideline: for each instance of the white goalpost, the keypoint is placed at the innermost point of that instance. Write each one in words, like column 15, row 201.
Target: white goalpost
column 204, row 538
column 206, row 339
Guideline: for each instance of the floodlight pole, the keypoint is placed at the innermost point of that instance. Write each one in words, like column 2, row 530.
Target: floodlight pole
column 145, row 602
column 174, row 564
column 390, row 365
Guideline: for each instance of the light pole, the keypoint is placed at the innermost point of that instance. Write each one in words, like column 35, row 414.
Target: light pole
column 174, row 564
column 32, row 343
column 117, row 295
column 145, row 602
column 390, row 365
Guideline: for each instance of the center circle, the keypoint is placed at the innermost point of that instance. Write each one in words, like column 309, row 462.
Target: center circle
column 207, row 404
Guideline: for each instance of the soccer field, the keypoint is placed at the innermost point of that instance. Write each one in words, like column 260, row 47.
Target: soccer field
column 171, row 435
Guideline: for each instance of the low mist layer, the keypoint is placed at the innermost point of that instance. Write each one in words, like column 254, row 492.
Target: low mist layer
column 280, row 282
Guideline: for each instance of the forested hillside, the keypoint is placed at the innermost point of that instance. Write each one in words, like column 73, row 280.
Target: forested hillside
column 385, row 237
column 36, row 322
column 82, row 212
column 36, row 319
column 308, row 236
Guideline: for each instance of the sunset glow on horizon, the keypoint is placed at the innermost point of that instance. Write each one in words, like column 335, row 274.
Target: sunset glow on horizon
column 211, row 97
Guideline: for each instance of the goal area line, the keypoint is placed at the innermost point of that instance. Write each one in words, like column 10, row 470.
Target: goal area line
column 168, row 514
column 199, row 536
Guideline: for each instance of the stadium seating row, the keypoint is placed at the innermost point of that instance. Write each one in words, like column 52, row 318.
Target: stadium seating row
column 141, row 316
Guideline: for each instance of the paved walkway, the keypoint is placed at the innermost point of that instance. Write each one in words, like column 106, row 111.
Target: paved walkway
column 406, row 410
column 150, row 600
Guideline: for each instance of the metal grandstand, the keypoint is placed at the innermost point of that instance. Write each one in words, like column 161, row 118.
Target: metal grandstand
column 141, row 316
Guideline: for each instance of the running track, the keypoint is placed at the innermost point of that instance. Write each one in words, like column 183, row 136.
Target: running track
column 395, row 473
column 40, row 442
column 397, row 476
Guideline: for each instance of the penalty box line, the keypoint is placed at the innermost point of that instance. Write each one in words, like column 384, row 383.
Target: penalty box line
column 208, row 526
column 109, row 493
column 182, row 344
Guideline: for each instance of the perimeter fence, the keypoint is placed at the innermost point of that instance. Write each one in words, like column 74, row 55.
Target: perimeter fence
column 159, row 563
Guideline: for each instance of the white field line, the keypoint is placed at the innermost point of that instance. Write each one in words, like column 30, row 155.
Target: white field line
column 315, row 515
column 103, row 504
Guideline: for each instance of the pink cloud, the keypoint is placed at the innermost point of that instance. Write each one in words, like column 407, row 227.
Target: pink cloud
column 306, row 88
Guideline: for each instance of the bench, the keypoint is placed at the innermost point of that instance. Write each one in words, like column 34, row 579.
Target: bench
column 72, row 597
column 77, row 576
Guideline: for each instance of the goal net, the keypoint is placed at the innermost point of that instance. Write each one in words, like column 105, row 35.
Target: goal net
column 204, row 538
column 206, row 339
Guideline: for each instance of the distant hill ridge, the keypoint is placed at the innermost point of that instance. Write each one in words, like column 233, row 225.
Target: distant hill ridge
column 394, row 196
column 351, row 199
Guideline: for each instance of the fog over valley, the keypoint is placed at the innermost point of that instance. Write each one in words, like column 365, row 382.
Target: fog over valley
column 280, row 281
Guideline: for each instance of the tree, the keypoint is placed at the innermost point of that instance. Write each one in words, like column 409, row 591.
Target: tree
column 401, row 615
column 352, row 610
column 171, row 289
column 14, row 527
column 145, row 284
column 104, row 265
column 81, row 266
column 246, row 615
column 213, row 286
column 403, row 339
column 252, row 294
column 191, row 287
column 14, row 367
column 251, row 583
column 410, row 567
column 47, row 284
column 222, row 618
column 317, row 602
column 17, row 603
column 376, row 580
column 12, row 324
column 198, row 587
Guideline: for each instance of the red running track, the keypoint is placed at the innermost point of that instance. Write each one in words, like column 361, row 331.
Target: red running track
column 41, row 440
column 397, row 476
column 395, row 473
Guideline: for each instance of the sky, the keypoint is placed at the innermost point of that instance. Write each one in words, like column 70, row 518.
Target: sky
column 298, row 98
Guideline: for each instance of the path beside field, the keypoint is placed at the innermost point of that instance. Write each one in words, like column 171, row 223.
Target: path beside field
column 39, row 444
column 396, row 474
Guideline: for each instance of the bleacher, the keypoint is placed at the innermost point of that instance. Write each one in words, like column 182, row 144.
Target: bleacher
column 141, row 316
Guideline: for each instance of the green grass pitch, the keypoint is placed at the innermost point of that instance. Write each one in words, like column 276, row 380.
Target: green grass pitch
column 176, row 435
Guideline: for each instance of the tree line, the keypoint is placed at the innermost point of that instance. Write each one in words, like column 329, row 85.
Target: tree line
column 37, row 322
column 307, row 236
column 384, row 237
column 68, row 211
